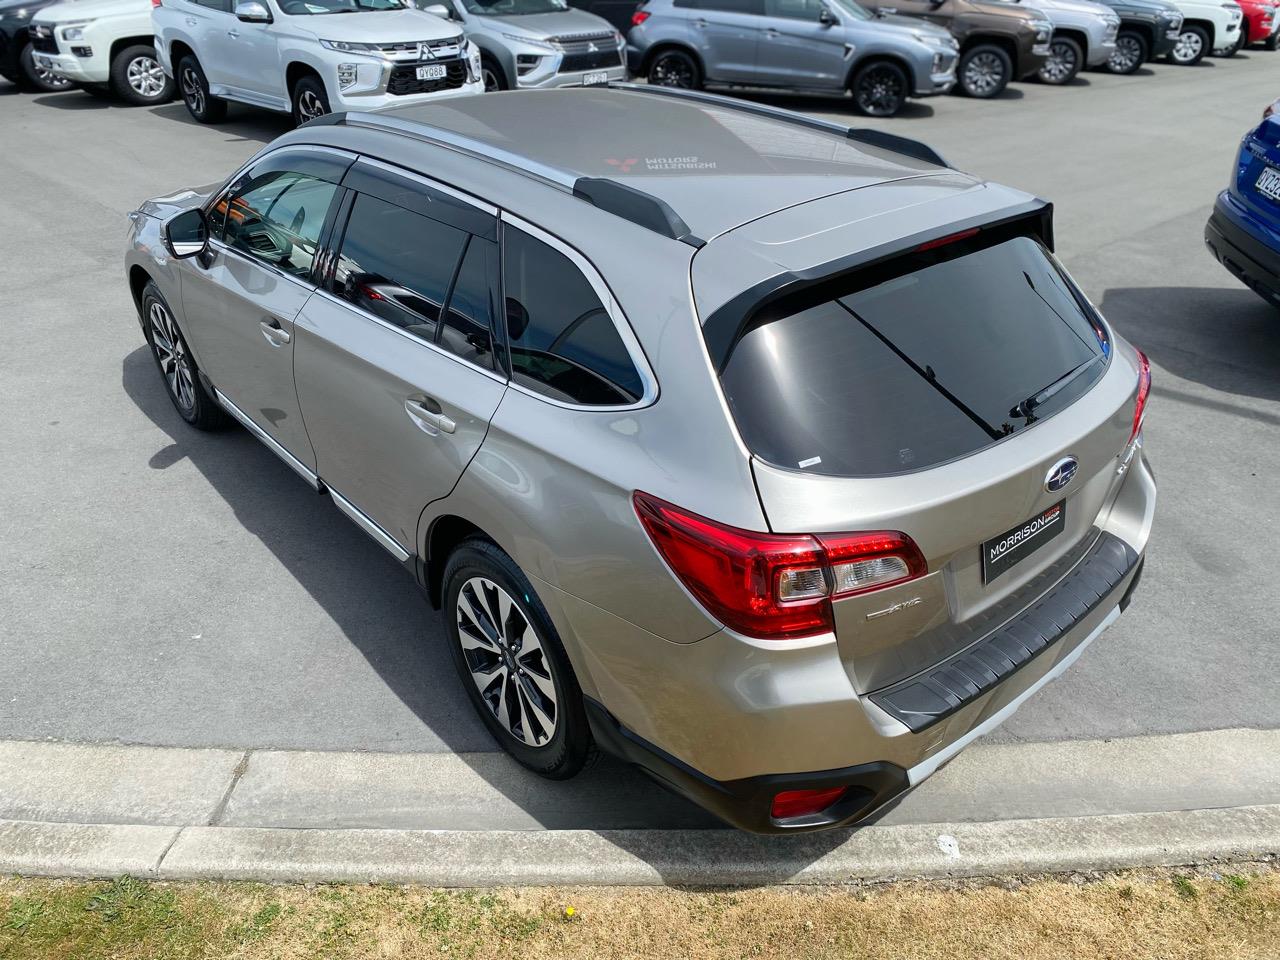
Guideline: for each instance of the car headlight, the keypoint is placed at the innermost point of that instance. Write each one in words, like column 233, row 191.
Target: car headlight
column 1043, row 29
column 73, row 30
column 531, row 41
column 351, row 46
column 933, row 39
column 1112, row 21
column 473, row 61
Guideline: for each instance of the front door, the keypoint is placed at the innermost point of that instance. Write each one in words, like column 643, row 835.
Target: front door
column 241, row 300
column 801, row 49
column 727, row 33
column 396, row 365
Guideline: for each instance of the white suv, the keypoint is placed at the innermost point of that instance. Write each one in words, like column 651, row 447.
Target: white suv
column 305, row 57
column 97, row 43
column 1207, row 25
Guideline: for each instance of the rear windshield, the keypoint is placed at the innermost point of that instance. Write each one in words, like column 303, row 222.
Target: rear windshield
column 909, row 365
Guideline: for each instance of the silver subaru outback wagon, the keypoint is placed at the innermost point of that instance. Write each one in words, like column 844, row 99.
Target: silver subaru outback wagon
column 780, row 459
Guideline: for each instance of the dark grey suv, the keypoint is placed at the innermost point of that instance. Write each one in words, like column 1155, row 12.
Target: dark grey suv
column 819, row 46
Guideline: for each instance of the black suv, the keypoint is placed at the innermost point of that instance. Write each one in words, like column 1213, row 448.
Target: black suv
column 1148, row 30
column 16, row 64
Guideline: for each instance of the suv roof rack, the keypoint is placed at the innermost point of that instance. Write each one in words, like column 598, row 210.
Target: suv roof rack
column 619, row 199
column 874, row 138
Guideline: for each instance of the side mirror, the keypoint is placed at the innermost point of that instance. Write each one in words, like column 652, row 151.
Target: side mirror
column 438, row 10
column 825, row 18
column 252, row 11
column 187, row 234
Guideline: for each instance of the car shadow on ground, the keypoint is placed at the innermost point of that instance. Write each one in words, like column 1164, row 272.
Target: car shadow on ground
column 1223, row 338
column 376, row 604
column 242, row 123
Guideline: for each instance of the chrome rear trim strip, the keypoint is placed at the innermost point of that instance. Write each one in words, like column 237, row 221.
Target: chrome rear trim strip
column 368, row 526
column 301, row 468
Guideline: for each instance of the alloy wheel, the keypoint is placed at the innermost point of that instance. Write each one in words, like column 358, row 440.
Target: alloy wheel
column 50, row 79
column 146, row 78
column 310, row 106
column 880, row 92
column 507, row 661
column 1127, row 55
column 983, row 74
column 171, row 353
column 490, row 79
column 672, row 71
column 1061, row 65
column 1188, row 48
column 193, row 91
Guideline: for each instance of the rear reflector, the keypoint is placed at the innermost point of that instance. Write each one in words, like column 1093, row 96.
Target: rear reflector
column 1144, row 391
column 800, row 803
column 639, row 17
column 772, row 586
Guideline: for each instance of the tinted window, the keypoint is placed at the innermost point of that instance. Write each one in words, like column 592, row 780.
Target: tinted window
column 397, row 265
column 223, row 5
column 563, row 342
column 725, row 6
column 276, row 217
column 467, row 327
column 926, row 360
column 794, row 9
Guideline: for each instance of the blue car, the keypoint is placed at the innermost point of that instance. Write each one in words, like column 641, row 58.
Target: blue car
column 1243, row 233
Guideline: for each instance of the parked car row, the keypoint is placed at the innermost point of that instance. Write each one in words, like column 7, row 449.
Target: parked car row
column 301, row 57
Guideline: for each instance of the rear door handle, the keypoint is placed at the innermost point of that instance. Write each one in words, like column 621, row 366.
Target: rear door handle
column 192, row 22
column 429, row 417
column 700, row 23
column 233, row 34
column 276, row 335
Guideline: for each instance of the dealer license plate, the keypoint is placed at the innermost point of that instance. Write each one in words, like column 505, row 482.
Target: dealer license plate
column 595, row 79
column 1002, row 552
column 432, row 71
column 1268, row 183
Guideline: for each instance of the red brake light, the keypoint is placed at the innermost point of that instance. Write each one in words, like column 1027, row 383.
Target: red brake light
column 799, row 803
column 1270, row 111
column 1144, row 390
column 157, row 3
column 639, row 17
column 774, row 586
column 950, row 238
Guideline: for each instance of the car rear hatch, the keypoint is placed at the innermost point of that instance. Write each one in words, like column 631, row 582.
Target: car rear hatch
column 955, row 386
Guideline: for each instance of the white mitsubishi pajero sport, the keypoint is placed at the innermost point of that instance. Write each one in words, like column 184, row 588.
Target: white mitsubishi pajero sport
column 309, row 57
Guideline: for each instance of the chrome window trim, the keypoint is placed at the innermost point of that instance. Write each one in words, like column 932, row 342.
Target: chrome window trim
column 369, row 526
column 271, row 443
column 259, row 157
column 429, row 183
column 611, row 306
column 411, row 337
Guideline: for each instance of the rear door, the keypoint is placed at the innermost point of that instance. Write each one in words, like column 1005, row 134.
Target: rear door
column 207, row 22
column 798, row 50
column 397, row 364
column 943, row 394
column 727, row 35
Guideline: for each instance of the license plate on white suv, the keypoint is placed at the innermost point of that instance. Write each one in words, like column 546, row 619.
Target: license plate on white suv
column 432, row 71
column 1268, row 183
column 595, row 79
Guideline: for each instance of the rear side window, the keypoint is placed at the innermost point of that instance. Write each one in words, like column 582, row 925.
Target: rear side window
column 397, row 265
column 563, row 341
column 467, row 326
column 930, row 358
column 725, row 6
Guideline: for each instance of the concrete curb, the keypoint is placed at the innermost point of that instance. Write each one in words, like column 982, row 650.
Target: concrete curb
column 451, row 858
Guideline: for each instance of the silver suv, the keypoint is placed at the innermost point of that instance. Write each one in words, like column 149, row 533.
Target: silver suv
column 308, row 57
column 540, row 43
column 779, row 458
column 820, row 46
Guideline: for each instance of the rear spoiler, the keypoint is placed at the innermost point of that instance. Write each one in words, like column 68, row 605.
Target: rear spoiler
column 730, row 322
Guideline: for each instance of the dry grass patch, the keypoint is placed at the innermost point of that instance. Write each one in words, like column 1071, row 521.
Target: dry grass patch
column 1167, row 915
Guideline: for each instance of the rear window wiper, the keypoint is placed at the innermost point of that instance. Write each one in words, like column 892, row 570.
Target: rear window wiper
column 1027, row 407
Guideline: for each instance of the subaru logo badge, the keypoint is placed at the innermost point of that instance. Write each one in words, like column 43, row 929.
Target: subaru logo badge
column 1060, row 473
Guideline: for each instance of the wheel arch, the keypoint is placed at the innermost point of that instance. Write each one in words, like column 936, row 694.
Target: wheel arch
column 147, row 40
column 874, row 58
column 664, row 46
column 296, row 71
column 500, row 55
column 1206, row 25
column 1003, row 41
column 178, row 49
column 444, row 534
column 1143, row 28
column 138, row 280
column 1073, row 33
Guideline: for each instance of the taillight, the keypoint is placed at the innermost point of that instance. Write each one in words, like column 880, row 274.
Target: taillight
column 774, row 586
column 799, row 803
column 950, row 238
column 639, row 17
column 1270, row 111
column 157, row 3
column 1144, row 390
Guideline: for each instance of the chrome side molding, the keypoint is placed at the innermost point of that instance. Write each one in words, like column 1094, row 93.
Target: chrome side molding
column 299, row 467
column 368, row 526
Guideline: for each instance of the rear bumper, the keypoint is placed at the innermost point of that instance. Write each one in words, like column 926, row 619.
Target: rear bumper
column 1233, row 237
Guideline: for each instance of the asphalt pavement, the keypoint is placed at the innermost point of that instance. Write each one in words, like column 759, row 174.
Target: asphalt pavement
column 170, row 588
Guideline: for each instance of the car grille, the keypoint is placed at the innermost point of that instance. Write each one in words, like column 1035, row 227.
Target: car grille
column 403, row 81
column 586, row 59
column 42, row 39
column 424, row 50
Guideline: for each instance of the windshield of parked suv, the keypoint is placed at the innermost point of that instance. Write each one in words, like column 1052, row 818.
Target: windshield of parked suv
column 302, row 8
column 911, row 364
column 513, row 8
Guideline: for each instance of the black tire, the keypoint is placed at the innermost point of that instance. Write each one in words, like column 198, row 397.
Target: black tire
column 137, row 79
column 310, row 100
column 191, row 400
column 1132, row 51
column 35, row 78
column 1066, row 58
column 570, row 746
column 495, row 78
column 1191, row 47
column 984, row 71
column 203, row 106
column 1271, row 42
column 674, row 68
column 880, row 89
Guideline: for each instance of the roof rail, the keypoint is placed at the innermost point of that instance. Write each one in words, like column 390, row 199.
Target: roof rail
column 874, row 138
column 621, row 200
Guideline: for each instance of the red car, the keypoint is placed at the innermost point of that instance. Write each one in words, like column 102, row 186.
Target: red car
column 1260, row 23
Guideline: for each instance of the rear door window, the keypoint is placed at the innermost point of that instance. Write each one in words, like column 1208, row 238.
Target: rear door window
column 915, row 363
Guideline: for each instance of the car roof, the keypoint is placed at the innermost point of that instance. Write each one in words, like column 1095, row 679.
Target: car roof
column 714, row 163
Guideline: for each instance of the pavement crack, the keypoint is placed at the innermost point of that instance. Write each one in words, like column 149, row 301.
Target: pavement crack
column 155, row 871
column 216, row 816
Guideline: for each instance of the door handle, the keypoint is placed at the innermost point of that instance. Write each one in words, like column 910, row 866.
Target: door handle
column 700, row 23
column 276, row 335
column 428, row 416
column 192, row 22
column 233, row 34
